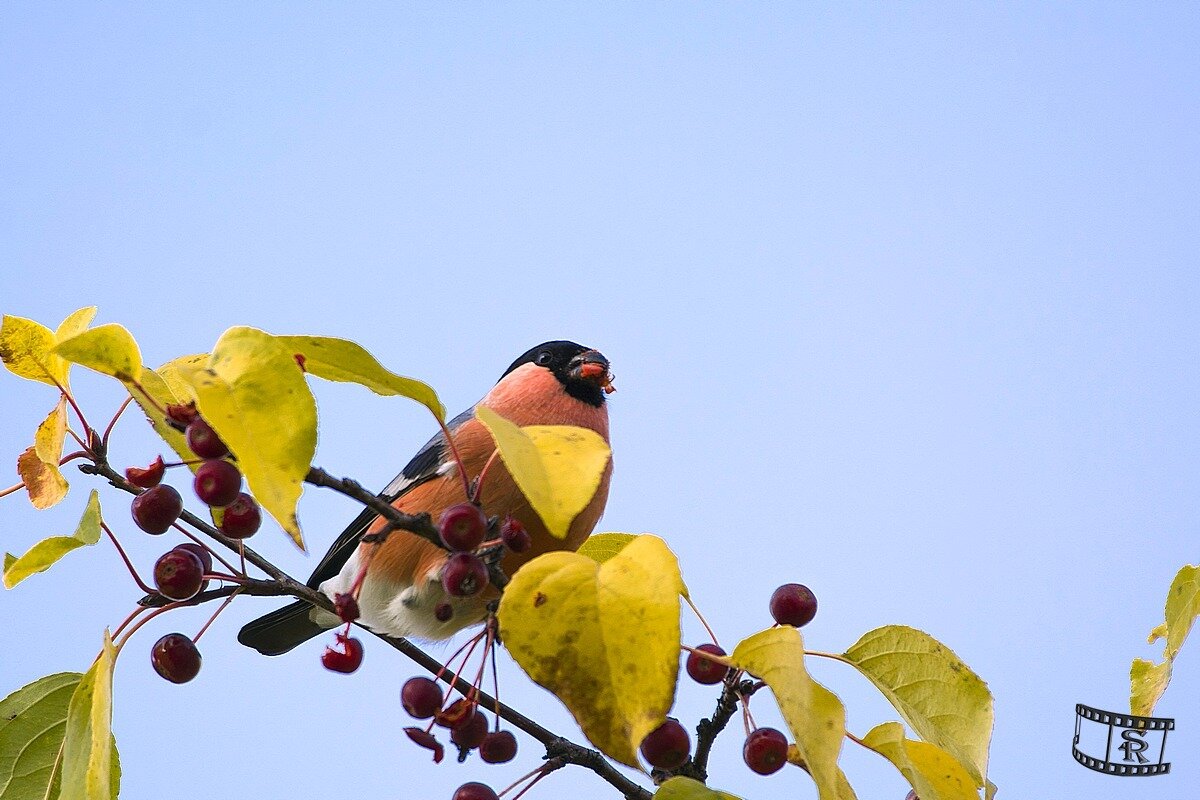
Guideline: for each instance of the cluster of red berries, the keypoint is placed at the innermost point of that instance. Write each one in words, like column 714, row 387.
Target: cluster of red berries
column 179, row 575
column 463, row 529
column 423, row 698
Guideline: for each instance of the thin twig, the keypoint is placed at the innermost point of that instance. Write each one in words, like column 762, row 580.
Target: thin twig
column 419, row 524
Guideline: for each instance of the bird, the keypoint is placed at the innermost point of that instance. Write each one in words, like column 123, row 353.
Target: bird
column 554, row 383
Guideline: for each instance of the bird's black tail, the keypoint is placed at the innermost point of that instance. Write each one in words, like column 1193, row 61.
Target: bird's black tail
column 280, row 631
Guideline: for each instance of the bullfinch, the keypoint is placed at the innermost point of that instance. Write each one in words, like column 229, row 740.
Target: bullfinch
column 555, row 383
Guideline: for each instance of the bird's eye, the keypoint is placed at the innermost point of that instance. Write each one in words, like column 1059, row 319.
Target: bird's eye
column 543, row 359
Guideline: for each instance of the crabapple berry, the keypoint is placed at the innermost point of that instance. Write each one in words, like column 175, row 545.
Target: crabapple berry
column 175, row 658
column 470, row 734
column 667, row 746
column 475, row 791
column 148, row 477
column 203, row 440
column 178, row 574
column 514, row 535
column 241, row 518
column 155, row 510
column 464, row 575
column 421, row 697
column 703, row 670
column 217, row 482
column 462, row 527
column 793, row 604
column 765, row 751
column 498, row 747
column 345, row 660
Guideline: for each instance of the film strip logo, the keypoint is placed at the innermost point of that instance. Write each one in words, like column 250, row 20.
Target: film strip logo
column 1130, row 744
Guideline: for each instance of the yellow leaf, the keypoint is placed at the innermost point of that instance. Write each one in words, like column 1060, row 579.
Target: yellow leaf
column 600, row 547
column 681, row 788
column 255, row 397
column 25, row 349
column 174, row 373
column 75, row 324
column 1148, row 681
column 87, row 750
column 935, row 692
column 108, row 349
column 38, row 465
column 814, row 715
column 557, row 467
column 153, row 397
column 933, row 773
column 45, row 553
column 604, row 638
column 346, row 361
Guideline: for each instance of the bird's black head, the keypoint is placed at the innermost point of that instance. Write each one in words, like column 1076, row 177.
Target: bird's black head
column 582, row 371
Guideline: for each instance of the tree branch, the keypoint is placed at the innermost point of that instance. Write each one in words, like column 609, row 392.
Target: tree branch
column 707, row 730
column 419, row 524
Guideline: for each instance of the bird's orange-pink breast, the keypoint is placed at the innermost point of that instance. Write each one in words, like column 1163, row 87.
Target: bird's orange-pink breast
column 529, row 395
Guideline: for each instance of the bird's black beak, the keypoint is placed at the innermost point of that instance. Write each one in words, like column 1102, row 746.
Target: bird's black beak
column 591, row 365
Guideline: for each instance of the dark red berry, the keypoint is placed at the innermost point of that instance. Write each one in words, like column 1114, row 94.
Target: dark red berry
column 464, row 575
column 204, row 556
column 462, row 527
column 149, row 477
column 155, row 510
column 175, row 658
column 218, row 483
column 421, row 697
column 345, row 606
column 443, row 612
column 178, row 574
column 457, row 713
column 181, row 415
column 706, row 671
column 667, row 746
column 793, row 604
column 514, row 535
column 498, row 747
column 241, row 518
column 345, row 660
column 911, row 796
column 428, row 741
column 475, row 791
column 765, row 751
column 470, row 734
column 203, row 440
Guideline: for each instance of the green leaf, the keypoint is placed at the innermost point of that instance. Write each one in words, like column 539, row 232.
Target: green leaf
column 557, row 467
column 1147, row 680
column 45, row 553
column 348, row 362
column 600, row 547
column 38, row 465
column 814, row 715
column 935, row 692
column 681, row 788
column 604, row 638
column 933, row 773
column 88, row 747
column 254, row 395
column 108, row 349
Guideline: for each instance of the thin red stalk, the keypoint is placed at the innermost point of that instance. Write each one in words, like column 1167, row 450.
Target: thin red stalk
column 520, row 780
column 78, row 441
column 147, row 618
column 112, row 423
column 150, row 399
column 482, row 474
column 215, row 614
column 72, row 456
column 703, row 621
column 11, row 489
column 128, row 564
column 132, row 616
column 487, row 649
column 722, row 660
column 543, row 772
column 211, row 552
column 462, row 471
column 496, row 687
column 78, row 411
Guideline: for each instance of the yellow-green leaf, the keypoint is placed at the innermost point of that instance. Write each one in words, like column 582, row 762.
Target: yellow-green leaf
column 175, row 374
column 935, row 692
column 38, row 465
column 254, row 395
column 814, row 715
column 557, row 467
column 600, row 547
column 32, row 726
column 75, row 323
column 1148, row 681
column 681, row 788
column 87, row 750
column 25, row 349
column 346, row 361
column 45, row 553
column 153, row 398
column 108, row 349
column 604, row 638
column 933, row 773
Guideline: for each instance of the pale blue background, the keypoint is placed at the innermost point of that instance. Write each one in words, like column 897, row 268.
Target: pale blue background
column 901, row 300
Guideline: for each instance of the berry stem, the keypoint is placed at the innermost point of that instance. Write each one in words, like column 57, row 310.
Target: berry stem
column 128, row 564
column 495, row 677
column 214, row 616
column 462, row 472
column 132, row 616
column 477, row 495
column 832, row 656
column 197, row 540
column 703, row 621
column 147, row 618
column 716, row 659
column 11, row 489
column 149, row 398
column 112, row 423
column 78, row 441
column 542, row 772
column 487, row 650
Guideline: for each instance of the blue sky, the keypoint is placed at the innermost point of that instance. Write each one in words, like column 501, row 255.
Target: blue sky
column 901, row 301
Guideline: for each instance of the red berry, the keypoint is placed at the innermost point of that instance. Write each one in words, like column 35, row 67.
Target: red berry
column 345, row 660
column 462, row 527
column 443, row 612
column 175, row 658
column 793, row 604
column 514, row 535
column 421, row 697
column 204, row 556
column 428, row 741
column 457, row 713
column 203, row 440
column 182, row 414
column 241, row 518
column 765, row 751
column 345, row 606
column 218, row 482
column 149, row 477
column 498, row 747
column 178, row 574
column 667, row 746
column 464, row 575
column 475, row 791
column 155, row 510
column 706, row 671
column 913, row 795
column 470, row 734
